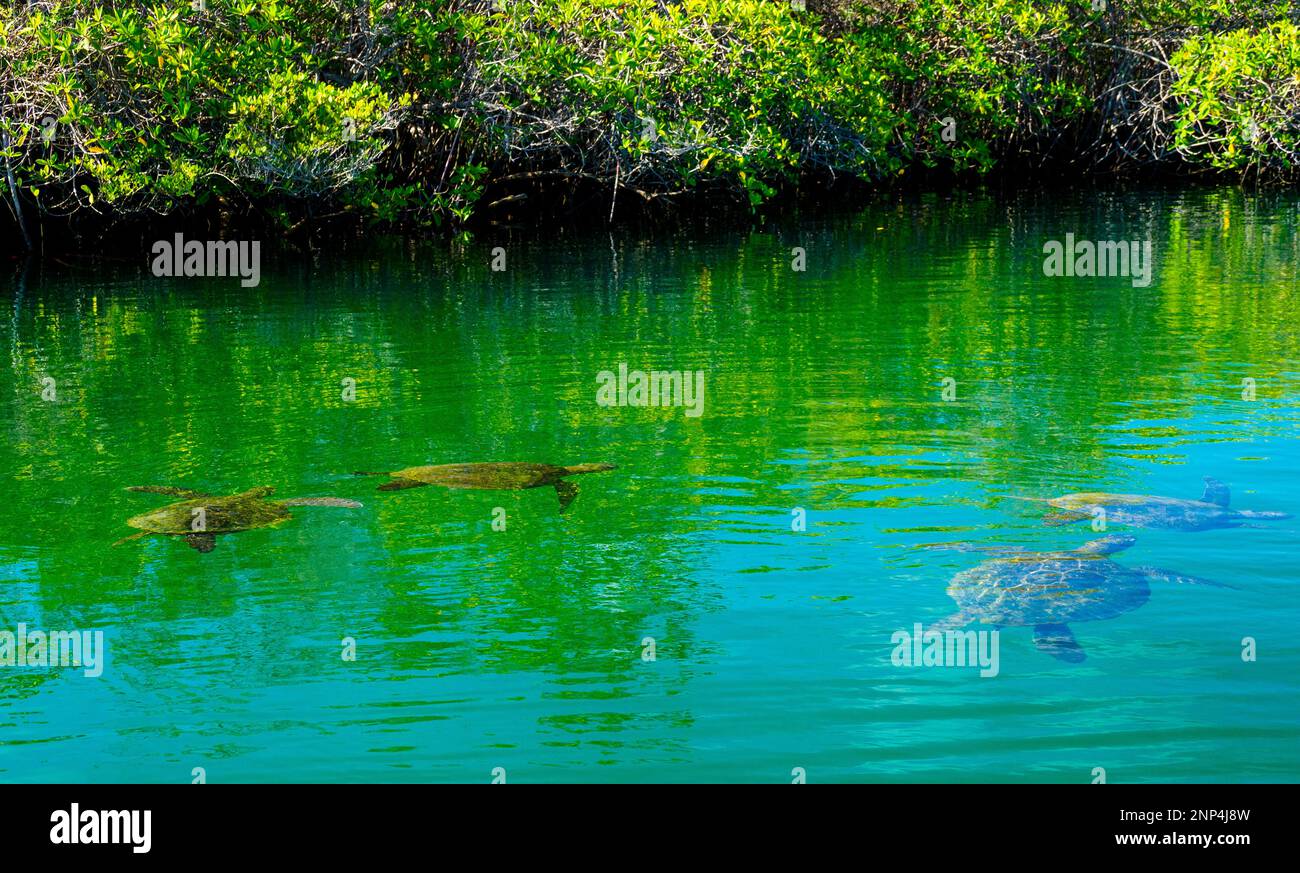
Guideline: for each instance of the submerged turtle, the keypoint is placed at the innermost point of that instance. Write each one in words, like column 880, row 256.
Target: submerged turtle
column 507, row 476
column 1209, row 512
column 1048, row 590
column 200, row 517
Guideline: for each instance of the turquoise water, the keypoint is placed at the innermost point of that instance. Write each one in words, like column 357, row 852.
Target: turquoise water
column 522, row 648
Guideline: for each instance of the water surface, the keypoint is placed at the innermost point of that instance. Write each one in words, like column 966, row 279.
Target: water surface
column 523, row 649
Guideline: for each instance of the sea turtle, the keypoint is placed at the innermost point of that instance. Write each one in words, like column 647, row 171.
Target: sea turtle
column 1139, row 510
column 200, row 517
column 504, row 476
column 1048, row 590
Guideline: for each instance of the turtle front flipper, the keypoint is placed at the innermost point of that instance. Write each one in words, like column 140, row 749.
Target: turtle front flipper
column 1216, row 492
column 1156, row 574
column 167, row 489
column 203, row 542
column 973, row 547
column 399, row 484
column 566, row 491
column 1058, row 641
column 321, row 501
column 134, row 536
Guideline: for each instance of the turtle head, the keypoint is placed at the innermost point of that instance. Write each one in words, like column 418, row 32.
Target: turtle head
column 1108, row 545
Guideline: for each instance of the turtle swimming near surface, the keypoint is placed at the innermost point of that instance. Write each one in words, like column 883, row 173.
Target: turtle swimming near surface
column 200, row 517
column 505, row 476
column 1049, row 590
column 1138, row 510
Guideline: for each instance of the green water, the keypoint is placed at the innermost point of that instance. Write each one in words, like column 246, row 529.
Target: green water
column 523, row 648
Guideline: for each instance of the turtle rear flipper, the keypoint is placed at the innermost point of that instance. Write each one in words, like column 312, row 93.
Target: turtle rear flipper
column 1107, row 545
column 399, row 484
column 952, row 622
column 566, row 491
column 203, row 542
column 321, row 501
column 167, row 489
column 1058, row 641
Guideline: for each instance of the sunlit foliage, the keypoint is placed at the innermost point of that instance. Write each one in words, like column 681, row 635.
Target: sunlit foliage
column 410, row 112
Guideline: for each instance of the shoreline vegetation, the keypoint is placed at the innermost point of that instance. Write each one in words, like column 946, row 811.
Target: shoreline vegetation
column 294, row 118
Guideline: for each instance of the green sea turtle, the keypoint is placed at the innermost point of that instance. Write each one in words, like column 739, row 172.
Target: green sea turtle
column 1139, row 510
column 1049, row 590
column 506, row 476
column 200, row 517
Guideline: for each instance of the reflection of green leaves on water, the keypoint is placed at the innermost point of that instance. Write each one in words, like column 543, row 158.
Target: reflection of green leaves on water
column 825, row 393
